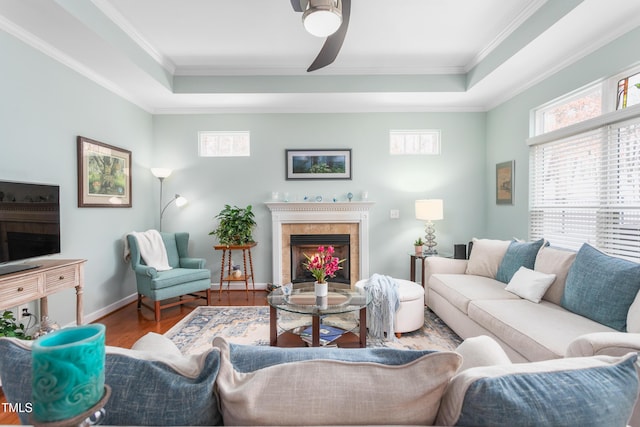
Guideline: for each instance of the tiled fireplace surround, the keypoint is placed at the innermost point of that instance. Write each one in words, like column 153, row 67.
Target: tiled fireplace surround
column 350, row 218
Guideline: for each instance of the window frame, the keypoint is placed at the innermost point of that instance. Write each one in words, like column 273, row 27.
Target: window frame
column 435, row 133
column 231, row 134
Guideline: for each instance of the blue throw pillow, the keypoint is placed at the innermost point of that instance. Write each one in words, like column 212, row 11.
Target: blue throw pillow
column 583, row 391
column 248, row 358
column 519, row 254
column 143, row 392
column 15, row 371
column 601, row 287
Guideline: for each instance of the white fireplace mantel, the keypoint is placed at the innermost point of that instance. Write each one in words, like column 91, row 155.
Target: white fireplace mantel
column 310, row 212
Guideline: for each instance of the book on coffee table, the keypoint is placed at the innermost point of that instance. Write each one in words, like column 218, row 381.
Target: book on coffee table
column 328, row 334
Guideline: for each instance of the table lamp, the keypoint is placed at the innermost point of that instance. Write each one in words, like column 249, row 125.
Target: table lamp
column 429, row 210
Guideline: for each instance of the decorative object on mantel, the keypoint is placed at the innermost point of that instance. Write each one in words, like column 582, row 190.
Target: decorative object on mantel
column 321, row 265
column 318, row 164
column 104, row 175
column 349, row 196
column 235, row 225
column 429, row 210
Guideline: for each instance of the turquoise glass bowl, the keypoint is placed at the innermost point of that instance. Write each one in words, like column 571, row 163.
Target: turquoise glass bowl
column 68, row 372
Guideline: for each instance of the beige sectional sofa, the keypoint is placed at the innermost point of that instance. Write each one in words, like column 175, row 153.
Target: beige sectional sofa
column 466, row 295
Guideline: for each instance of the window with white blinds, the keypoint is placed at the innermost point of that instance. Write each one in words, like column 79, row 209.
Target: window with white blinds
column 585, row 186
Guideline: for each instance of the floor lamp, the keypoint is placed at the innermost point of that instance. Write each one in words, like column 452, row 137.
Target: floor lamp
column 429, row 210
column 161, row 174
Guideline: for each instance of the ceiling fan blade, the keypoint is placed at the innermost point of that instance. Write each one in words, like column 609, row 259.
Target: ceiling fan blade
column 333, row 44
column 299, row 5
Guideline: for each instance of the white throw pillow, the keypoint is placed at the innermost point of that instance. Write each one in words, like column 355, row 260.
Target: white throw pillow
column 529, row 284
column 486, row 256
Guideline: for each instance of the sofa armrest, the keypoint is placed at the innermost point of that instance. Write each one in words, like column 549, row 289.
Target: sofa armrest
column 192, row 262
column 604, row 343
column 145, row 270
column 439, row 265
column 481, row 351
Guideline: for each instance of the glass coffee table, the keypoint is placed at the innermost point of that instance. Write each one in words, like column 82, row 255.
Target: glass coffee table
column 302, row 301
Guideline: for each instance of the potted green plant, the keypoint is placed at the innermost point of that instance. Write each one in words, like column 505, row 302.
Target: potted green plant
column 418, row 245
column 235, row 225
column 9, row 327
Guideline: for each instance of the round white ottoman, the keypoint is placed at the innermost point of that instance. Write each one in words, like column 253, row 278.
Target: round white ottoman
column 410, row 314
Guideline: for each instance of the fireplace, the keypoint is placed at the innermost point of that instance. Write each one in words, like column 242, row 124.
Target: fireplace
column 292, row 218
column 301, row 244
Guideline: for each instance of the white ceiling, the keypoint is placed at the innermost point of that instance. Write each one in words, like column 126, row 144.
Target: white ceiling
column 187, row 56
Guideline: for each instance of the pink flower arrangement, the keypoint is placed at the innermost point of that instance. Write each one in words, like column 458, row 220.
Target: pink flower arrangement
column 323, row 264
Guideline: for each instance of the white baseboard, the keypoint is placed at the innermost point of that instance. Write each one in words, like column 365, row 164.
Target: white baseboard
column 92, row 317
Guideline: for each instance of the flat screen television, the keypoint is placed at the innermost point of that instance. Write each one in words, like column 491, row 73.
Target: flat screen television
column 29, row 223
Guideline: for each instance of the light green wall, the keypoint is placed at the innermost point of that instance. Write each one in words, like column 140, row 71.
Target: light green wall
column 45, row 105
column 393, row 182
column 508, row 128
column 43, row 108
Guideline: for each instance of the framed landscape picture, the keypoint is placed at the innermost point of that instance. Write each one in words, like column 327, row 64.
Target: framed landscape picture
column 504, row 183
column 318, row 164
column 104, row 175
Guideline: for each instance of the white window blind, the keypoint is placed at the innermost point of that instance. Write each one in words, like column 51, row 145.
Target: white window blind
column 585, row 187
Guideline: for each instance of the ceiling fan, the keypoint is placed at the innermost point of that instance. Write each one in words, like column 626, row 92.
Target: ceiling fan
column 325, row 18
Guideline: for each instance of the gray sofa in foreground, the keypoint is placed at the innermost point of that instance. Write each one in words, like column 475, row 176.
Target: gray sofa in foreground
column 477, row 385
column 539, row 302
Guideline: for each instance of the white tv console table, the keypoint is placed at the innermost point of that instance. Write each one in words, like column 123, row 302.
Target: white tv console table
column 49, row 277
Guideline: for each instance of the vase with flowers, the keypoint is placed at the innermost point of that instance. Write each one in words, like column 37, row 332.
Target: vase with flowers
column 321, row 265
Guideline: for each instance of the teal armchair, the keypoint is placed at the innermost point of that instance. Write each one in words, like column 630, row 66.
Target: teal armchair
column 188, row 277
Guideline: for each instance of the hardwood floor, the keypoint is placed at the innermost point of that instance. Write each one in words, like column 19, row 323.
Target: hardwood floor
column 128, row 324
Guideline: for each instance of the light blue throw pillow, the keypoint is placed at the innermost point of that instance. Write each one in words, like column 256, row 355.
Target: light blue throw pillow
column 584, row 391
column 601, row 287
column 519, row 254
column 143, row 392
column 248, row 358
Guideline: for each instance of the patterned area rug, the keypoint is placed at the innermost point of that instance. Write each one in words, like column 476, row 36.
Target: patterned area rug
column 250, row 325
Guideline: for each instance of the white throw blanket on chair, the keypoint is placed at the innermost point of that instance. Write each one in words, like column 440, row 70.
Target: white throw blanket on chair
column 152, row 249
column 384, row 304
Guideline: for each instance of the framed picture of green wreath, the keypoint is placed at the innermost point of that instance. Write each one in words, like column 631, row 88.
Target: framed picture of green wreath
column 318, row 164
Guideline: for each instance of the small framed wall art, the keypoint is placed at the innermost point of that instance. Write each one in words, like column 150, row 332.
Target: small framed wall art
column 104, row 175
column 504, row 182
column 318, row 164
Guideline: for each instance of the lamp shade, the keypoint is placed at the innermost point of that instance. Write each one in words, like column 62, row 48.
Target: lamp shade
column 429, row 209
column 180, row 201
column 161, row 172
column 322, row 18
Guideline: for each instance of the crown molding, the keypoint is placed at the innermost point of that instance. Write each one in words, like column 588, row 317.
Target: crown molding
column 513, row 25
column 47, row 49
column 116, row 17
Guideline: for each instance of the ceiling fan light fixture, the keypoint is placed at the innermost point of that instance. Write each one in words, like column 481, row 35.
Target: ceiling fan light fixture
column 322, row 17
